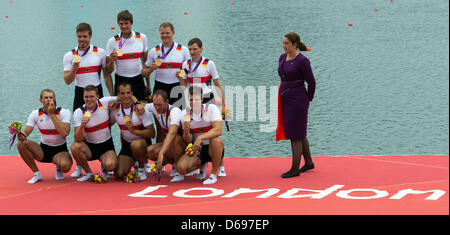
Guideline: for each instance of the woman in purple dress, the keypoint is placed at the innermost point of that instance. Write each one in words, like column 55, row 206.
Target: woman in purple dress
column 293, row 99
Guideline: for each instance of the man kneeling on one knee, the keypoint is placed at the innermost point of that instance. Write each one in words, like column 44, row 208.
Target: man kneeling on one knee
column 202, row 126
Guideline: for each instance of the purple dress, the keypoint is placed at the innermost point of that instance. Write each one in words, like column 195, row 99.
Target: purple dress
column 294, row 96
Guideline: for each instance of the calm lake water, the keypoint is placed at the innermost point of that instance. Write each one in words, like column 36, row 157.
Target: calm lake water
column 382, row 84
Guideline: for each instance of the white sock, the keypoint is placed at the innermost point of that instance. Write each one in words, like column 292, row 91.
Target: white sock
column 142, row 174
column 147, row 167
column 202, row 173
column 77, row 172
column 174, row 170
column 59, row 174
column 222, row 172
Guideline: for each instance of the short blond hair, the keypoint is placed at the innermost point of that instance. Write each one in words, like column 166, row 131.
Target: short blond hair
column 167, row 24
column 47, row 90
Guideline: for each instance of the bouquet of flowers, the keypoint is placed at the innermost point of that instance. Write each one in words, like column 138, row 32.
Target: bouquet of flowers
column 156, row 171
column 133, row 177
column 226, row 115
column 99, row 178
column 190, row 150
column 14, row 129
column 226, row 112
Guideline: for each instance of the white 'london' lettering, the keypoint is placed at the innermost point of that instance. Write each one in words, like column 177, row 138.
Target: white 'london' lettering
column 436, row 194
column 378, row 194
column 150, row 189
column 270, row 192
column 291, row 193
column 318, row 195
column 214, row 192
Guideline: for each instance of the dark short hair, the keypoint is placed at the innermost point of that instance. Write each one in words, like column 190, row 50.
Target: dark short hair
column 161, row 93
column 124, row 84
column 196, row 41
column 83, row 27
column 91, row 88
column 124, row 15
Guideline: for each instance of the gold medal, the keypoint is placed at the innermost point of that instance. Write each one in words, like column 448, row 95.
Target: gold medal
column 76, row 58
column 87, row 114
column 120, row 52
column 158, row 62
column 187, row 118
column 126, row 119
column 182, row 73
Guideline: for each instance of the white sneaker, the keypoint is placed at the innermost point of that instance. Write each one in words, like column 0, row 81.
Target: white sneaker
column 142, row 174
column 85, row 177
column 147, row 168
column 77, row 172
column 178, row 177
column 172, row 174
column 194, row 172
column 222, row 172
column 211, row 180
column 36, row 177
column 59, row 175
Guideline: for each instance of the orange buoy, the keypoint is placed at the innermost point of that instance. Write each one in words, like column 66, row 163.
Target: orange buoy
column 308, row 48
column 6, row 17
column 376, row 9
column 232, row 3
column 112, row 27
column 81, row 6
column 392, row 0
column 350, row 24
column 185, row 12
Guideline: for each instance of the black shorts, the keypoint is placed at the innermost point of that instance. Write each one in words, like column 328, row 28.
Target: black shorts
column 78, row 100
column 126, row 148
column 137, row 84
column 51, row 151
column 176, row 90
column 98, row 150
column 204, row 154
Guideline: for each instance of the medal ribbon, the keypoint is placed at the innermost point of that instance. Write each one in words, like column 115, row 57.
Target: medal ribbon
column 121, row 42
column 95, row 109
column 167, row 118
column 165, row 54
column 131, row 111
column 85, row 52
column 190, row 67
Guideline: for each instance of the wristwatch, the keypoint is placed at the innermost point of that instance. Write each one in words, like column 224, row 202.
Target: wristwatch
column 137, row 102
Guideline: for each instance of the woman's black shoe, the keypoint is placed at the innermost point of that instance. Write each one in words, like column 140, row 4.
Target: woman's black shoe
column 291, row 173
column 307, row 167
